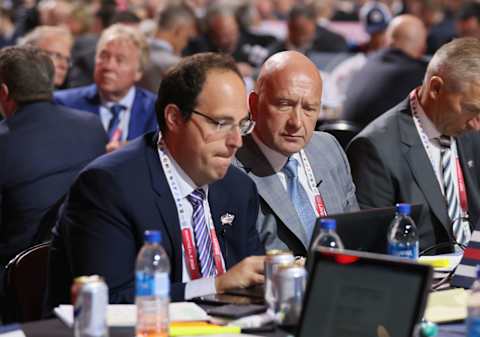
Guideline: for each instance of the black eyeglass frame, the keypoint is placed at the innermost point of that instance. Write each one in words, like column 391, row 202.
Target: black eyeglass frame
column 245, row 125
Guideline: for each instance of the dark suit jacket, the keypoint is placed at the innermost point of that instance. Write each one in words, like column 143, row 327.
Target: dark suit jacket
column 119, row 196
column 390, row 165
column 42, row 148
column 142, row 119
column 384, row 81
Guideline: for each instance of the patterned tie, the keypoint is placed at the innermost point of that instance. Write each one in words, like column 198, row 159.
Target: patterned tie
column 299, row 196
column 448, row 165
column 115, row 110
column 202, row 237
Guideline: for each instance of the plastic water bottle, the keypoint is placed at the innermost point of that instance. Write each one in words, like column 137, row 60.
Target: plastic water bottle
column 473, row 304
column 152, row 287
column 403, row 235
column 328, row 237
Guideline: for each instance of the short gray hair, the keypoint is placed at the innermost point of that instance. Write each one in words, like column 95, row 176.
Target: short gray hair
column 124, row 32
column 42, row 32
column 457, row 63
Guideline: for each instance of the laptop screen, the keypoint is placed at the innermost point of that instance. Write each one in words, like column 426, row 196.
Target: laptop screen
column 361, row 294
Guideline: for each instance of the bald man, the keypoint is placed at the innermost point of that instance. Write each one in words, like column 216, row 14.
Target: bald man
column 300, row 174
column 390, row 74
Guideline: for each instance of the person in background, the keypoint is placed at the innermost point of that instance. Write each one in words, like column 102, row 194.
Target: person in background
column 57, row 43
column 178, row 181
column 126, row 111
column 284, row 155
column 422, row 151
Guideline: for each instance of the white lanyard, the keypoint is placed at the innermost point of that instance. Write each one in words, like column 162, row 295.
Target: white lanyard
column 320, row 209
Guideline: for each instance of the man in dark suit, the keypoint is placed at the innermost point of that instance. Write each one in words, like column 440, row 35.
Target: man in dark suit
column 285, row 106
column 390, row 74
column 42, row 148
column 150, row 184
column 422, row 152
column 126, row 111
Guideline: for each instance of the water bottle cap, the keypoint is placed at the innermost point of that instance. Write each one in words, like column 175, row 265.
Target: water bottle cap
column 328, row 224
column 404, row 209
column 151, row 236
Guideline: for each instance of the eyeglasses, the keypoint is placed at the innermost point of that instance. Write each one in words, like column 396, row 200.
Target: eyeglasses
column 245, row 126
column 59, row 57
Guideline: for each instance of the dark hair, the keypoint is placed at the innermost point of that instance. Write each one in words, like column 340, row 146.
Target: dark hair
column 469, row 10
column 183, row 83
column 28, row 73
column 125, row 16
column 301, row 11
column 173, row 14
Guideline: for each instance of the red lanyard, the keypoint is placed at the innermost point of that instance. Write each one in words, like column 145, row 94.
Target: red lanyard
column 462, row 191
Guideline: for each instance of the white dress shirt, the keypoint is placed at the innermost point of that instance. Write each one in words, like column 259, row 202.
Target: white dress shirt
column 106, row 115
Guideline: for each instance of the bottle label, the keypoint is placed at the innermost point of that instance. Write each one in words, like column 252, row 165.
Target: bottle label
column 473, row 327
column 404, row 250
column 152, row 285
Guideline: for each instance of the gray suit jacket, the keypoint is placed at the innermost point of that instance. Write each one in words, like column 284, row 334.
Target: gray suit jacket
column 278, row 223
column 390, row 165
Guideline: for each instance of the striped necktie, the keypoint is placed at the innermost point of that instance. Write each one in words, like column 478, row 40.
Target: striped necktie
column 115, row 110
column 461, row 234
column 202, row 237
column 299, row 197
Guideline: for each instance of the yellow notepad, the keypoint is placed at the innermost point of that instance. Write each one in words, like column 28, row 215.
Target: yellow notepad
column 447, row 306
column 200, row 328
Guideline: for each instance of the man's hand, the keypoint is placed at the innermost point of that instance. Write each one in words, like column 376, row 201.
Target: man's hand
column 114, row 145
column 246, row 273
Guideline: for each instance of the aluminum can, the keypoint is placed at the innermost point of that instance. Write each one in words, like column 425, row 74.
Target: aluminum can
column 90, row 302
column 273, row 259
column 289, row 282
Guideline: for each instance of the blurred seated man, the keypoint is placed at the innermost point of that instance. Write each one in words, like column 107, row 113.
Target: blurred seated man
column 42, row 148
column 126, row 111
column 421, row 152
column 389, row 74
column 178, row 181
column 57, row 43
column 306, row 37
column 176, row 26
column 300, row 174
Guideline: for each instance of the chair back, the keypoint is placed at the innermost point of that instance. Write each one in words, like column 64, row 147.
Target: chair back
column 342, row 130
column 25, row 284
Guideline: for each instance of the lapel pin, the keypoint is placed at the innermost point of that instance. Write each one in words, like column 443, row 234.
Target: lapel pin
column 226, row 220
column 470, row 163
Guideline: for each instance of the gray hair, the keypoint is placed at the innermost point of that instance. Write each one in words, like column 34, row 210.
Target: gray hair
column 457, row 63
column 42, row 32
column 122, row 32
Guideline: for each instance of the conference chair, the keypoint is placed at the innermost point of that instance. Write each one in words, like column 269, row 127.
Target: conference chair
column 25, row 284
column 342, row 130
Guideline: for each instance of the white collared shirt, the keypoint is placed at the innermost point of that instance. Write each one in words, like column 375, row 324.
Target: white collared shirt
column 106, row 115
column 278, row 161
column 202, row 286
column 432, row 147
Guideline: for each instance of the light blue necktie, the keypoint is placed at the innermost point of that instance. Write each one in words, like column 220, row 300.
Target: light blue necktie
column 202, row 237
column 299, row 196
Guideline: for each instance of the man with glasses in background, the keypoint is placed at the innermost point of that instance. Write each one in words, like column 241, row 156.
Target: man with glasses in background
column 300, row 174
column 178, row 181
column 57, row 43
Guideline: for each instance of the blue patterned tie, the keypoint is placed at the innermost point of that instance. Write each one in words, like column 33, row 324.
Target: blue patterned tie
column 448, row 165
column 202, row 237
column 115, row 110
column 299, row 196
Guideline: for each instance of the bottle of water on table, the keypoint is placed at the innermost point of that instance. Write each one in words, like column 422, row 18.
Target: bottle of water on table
column 328, row 236
column 152, row 287
column 402, row 234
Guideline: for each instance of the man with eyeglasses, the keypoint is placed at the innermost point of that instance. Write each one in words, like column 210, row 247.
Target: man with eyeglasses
column 57, row 43
column 300, row 174
column 178, row 181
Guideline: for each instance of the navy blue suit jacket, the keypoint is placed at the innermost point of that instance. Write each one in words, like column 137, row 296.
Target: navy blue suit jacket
column 42, row 148
column 119, row 196
column 142, row 119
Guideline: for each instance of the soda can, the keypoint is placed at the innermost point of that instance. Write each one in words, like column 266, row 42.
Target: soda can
column 90, row 302
column 274, row 258
column 289, row 282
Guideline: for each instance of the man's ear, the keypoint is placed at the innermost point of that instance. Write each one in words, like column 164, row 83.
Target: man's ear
column 173, row 118
column 435, row 87
column 253, row 104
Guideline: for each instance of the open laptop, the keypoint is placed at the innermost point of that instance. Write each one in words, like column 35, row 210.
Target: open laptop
column 362, row 294
column 366, row 230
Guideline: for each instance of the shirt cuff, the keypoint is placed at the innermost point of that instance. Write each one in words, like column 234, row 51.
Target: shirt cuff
column 200, row 287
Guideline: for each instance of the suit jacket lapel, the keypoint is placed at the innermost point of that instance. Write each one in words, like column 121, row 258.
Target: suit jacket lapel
column 421, row 166
column 93, row 99
column 166, row 205
column 270, row 188
column 138, row 115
